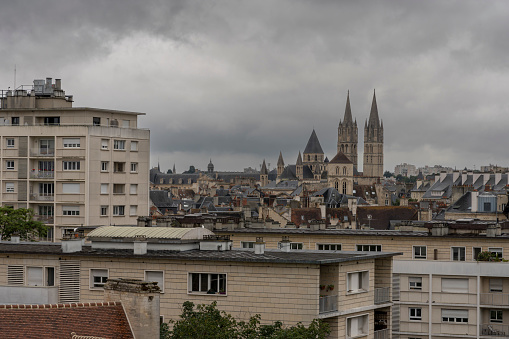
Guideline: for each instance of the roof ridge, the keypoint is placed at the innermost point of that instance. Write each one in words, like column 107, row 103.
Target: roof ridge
column 61, row 305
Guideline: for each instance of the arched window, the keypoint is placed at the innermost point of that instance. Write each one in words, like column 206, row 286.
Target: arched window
column 316, row 157
column 344, row 187
column 337, row 170
column 343, row 148
column 344, row 170
column 346, row 148
column 336, row 185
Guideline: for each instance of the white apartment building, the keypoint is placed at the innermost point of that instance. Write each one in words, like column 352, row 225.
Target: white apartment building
column 74, row 166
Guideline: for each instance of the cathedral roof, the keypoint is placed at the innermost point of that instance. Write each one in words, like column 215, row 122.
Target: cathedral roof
column 340, row 158
column 313, row 145
column 264, row 168
column 299, row 159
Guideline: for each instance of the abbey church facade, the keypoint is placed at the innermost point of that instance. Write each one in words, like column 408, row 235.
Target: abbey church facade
column 313, row 167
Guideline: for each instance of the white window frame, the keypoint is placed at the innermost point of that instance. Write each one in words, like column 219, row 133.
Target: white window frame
column 94, row 272
column 473, row 252
column 71, row 142
column 209, row 282
column 10, row 165
column 368, row 248
column 160, row 282
column 365, row 328
column 118, row 210
column 328, row 247
column 119, row 145
column 118, row 189
column 28, row 269
column 71, row 165
column 247, row 244
column 296, row 246
column 134, row 167
column 10, row 143
column 415, row 283
column 104, row 210
column 415, row 313
column 419, row 249
column 133, row 189
column 9, row 187
column 104, row 166
column 496, row 316
column 105, row 143
column 134, row 146
column 454, row 316
column 454, row 285
column 105, row 188
column 71, row 210
column 496, row 285
column 499, row 251
column 458, row 256
column 71, row 188
column 133, row 210
column 361, row 282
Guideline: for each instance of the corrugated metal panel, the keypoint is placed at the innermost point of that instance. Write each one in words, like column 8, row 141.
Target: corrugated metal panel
column 149, row 232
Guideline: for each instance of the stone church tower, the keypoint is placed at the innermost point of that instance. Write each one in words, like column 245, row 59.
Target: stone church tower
column 373, row 144
column 347, row 134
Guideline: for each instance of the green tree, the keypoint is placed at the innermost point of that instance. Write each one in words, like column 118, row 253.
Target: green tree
column 191, row 170
column 20, row 221
column 388, row 174
column 206, row 321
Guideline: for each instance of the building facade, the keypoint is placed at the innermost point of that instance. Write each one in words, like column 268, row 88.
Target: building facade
column 73, row 166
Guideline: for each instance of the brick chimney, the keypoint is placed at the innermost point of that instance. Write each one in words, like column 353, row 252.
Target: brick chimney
column 141, row 301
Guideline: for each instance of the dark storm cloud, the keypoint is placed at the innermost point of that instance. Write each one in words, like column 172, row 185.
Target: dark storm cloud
column 239, row 81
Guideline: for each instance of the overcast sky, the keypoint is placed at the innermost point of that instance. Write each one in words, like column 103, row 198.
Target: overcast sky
column 239, row 81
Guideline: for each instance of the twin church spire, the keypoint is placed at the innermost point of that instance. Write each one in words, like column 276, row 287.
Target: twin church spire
column 373, row 139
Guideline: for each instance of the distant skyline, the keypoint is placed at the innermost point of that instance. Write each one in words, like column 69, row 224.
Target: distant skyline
column 240, row 81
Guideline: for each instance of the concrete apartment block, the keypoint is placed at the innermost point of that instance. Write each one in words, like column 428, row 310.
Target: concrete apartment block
column 75, row 167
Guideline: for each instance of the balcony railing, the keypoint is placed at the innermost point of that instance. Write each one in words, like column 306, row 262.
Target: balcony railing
column 494, row 330
column 42, row 197
column 494, row 298
column 42, row 152
column 382, row 295
column 47, row 219
column 382, row 334
column 42, row 174
column 328, row 304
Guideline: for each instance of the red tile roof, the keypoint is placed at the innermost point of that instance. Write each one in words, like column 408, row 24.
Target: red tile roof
column 103, row 320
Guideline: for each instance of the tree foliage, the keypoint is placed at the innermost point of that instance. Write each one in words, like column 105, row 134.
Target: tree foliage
column 191, row 170
column 20, row 221
column 206, row 321
column 388, row 174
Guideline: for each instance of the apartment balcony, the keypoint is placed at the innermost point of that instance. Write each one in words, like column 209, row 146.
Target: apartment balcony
column 328, row 304
column 500, row 299
column 42, row 197
column 494, row 330
column 42, row 152
column 382, row 295
column 42, row 174
column 47, row 219
column 382, row 334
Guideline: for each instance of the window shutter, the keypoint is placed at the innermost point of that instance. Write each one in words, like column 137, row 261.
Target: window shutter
column 34, row 276
column 15, row 275
column 454, row 285
column 69, row 290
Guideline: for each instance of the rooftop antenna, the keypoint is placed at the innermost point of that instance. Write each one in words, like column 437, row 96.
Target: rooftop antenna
column 14, row 76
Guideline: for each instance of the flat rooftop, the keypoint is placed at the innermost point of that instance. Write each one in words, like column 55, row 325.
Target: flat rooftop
column 235, row 255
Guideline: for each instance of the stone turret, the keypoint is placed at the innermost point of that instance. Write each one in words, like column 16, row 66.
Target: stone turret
column 348, row 134
column 373, row 144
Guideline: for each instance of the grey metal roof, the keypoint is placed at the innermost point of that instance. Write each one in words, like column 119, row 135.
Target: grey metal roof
column 313, row 145
column 149, row 232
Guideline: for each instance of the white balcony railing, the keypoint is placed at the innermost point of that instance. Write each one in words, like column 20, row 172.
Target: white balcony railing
column 382, row 295
column 42, row 197
column 47, row 219
column 42, row 174
column 328, row 304
column 382, row 334
column 42, row 152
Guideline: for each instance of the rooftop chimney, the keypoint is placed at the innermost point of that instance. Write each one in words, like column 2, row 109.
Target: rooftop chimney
column 284, row 244
column 141, row 301
column 259, row 246
column 140, row 244
column 15, row 238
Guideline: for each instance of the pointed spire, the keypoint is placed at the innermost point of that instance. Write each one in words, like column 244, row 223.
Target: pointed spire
column 264, row 168
column 158, row 167
column 299, row 160
column 280, row 161
column 348, row 111
column 313, row 145
column 374, row 121
column 174, row 171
